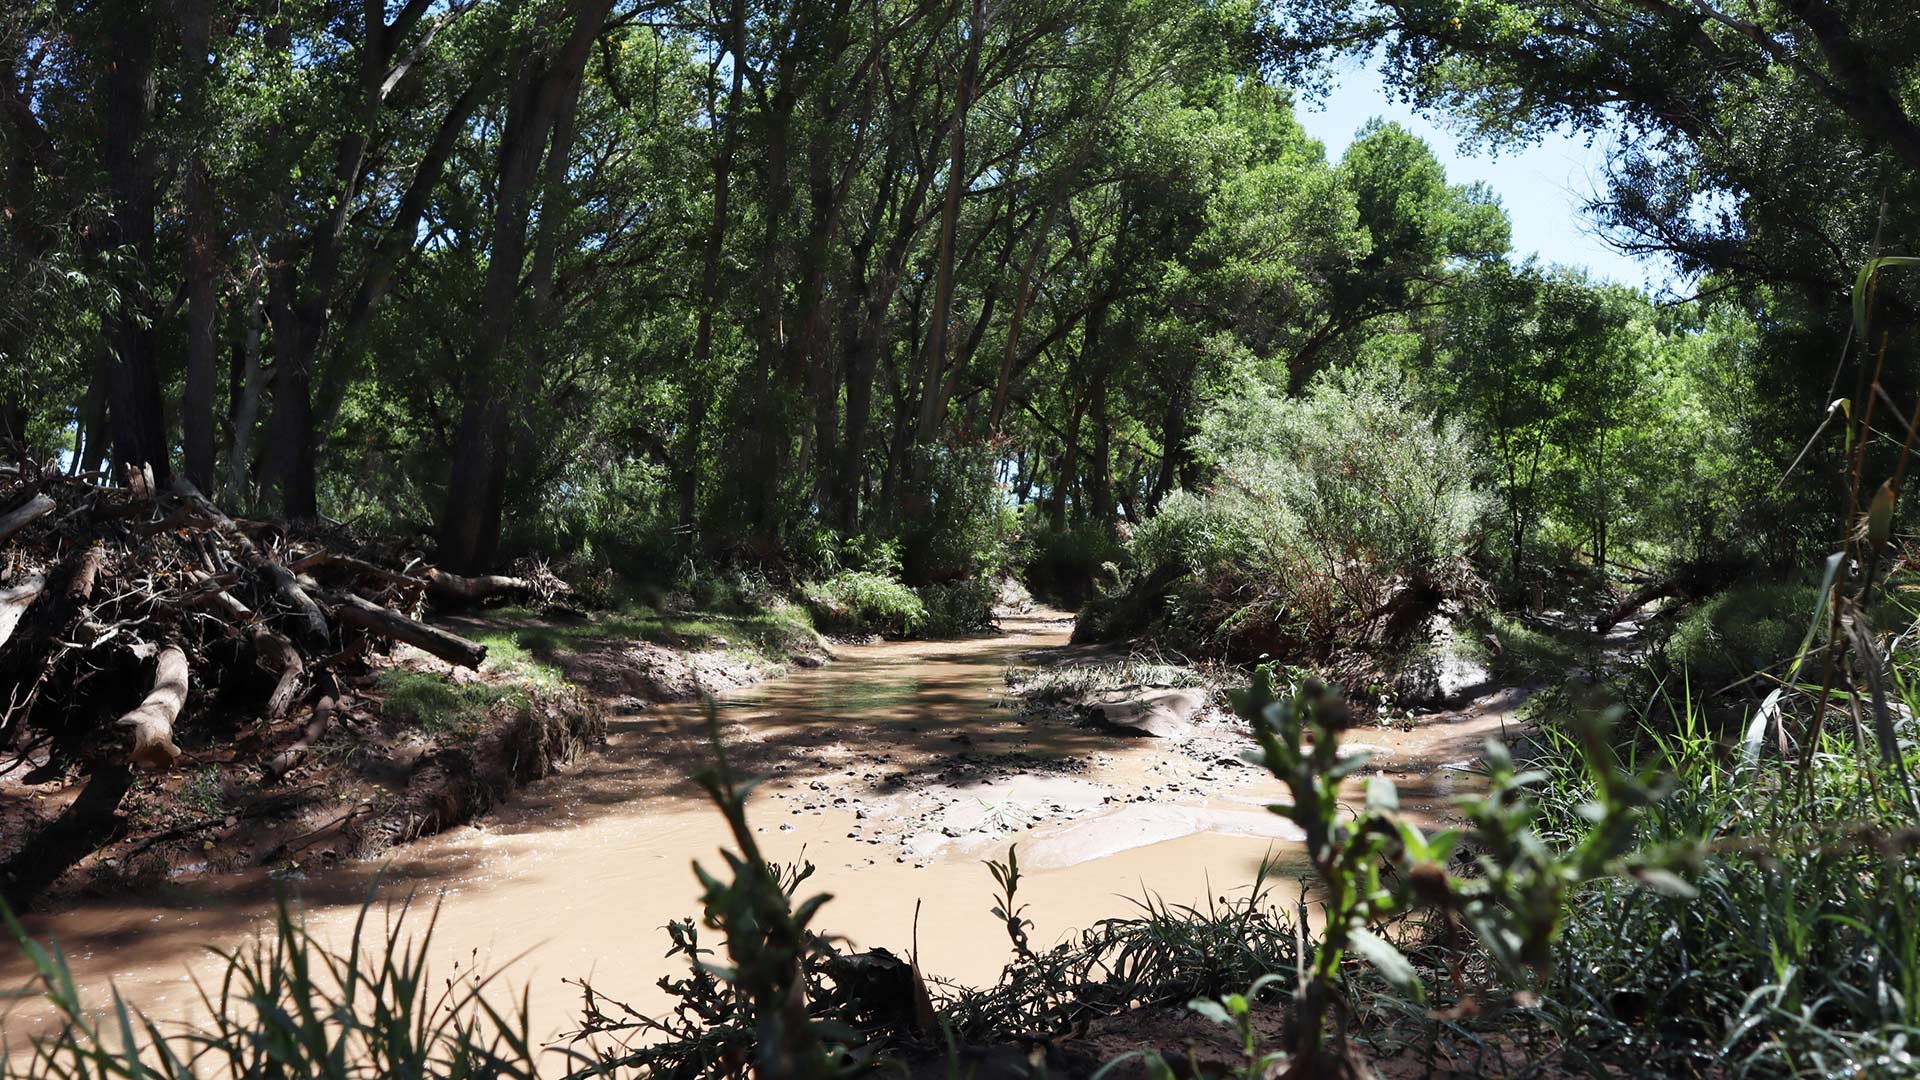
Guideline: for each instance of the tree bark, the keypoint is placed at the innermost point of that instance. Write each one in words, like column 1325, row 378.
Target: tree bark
column 133, row 377
column 246, row 408
column 540, row 108
column 152, row 720
column 1173, row 439
column 202, row 262
column 23, row 515
column 699, row 397
column 932, row 396
column 268, row 645
column 14, row 602
column 1100, row 484
column 457, row 590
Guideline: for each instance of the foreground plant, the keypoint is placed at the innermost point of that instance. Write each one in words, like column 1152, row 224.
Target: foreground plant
column 289, row 1008
column 1375, row 865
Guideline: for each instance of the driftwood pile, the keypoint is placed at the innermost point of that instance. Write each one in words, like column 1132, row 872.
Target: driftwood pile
column 123, row 607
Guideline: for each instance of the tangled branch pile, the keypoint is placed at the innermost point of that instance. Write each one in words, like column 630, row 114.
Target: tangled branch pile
column 129, row 616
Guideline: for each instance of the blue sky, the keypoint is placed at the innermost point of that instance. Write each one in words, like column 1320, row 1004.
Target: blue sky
column 1542, row 186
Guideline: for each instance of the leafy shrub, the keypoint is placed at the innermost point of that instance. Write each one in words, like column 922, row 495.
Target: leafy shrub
column 957, row 522
column 1065, row 566
column 1334, row 521
column 960, row 607
column 863, row 602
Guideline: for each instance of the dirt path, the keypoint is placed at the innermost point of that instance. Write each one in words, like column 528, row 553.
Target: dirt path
column 895, row 770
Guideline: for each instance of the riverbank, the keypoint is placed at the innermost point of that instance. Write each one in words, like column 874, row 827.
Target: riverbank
column 895, row 771
column 407, row 748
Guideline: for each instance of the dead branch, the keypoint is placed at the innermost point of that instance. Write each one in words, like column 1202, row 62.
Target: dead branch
column 268, row 645
column 23, row 515
column 14, row 602
column 152, row 720
column 458, row 590
column 367, row 615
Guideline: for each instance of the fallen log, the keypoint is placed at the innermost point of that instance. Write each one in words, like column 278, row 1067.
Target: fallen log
column 14, row 602
column 367, row 615
column 24, row 515
column 268, row 645
column 459, row 590
column 358, row 566
column 1639, row 598
column 1691, row 581
column 152, row 720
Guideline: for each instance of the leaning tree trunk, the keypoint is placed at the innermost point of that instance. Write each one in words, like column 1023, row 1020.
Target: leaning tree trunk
column 544, row 92
column 699, row 396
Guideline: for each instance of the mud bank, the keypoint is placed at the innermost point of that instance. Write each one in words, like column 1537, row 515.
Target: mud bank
column 406, row 749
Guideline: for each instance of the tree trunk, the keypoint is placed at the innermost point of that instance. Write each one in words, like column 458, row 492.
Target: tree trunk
column 291, row 460
column 541, row 104
column 91, row 437
column 202, row 263
column 1174, row 434
column 699, row 396
column 932, row 396
column 136, row 412
column 1068, row 472
column 1100, row 484
column 246, row 402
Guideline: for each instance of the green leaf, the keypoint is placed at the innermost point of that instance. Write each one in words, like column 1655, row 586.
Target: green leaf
column 1865, row 279
column 1211, row 1009
column 1664, row 882
column 1390, row 962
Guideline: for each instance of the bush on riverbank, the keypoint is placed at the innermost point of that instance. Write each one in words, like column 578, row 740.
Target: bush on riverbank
column 861, row 602
column 1337, row 522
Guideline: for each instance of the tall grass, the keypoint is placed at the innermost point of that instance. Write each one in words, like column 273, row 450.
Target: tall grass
column 1800, row 954
column 288, row 1006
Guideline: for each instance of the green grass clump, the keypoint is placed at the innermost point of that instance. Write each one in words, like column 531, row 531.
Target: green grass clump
column 288, row 1006
column 436, row 703
column 1741, row 631
column 864, row 602
column 777, row 631
column 1800, row 955
column 1527, row 653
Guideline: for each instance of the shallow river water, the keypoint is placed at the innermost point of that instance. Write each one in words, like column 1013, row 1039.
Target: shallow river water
column 896, row 770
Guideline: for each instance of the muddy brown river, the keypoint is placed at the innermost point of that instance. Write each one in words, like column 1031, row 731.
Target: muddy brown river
column 896, row 770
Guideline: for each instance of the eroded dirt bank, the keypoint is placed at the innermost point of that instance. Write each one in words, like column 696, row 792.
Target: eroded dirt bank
column 895, row 770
